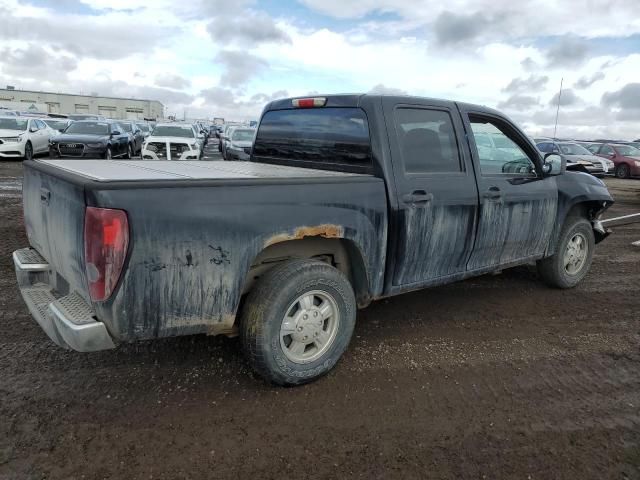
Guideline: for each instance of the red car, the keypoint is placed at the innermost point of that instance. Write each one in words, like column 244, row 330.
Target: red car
column 625, row 157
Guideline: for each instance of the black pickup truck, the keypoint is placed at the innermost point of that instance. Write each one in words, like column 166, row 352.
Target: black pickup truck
column 346, row 199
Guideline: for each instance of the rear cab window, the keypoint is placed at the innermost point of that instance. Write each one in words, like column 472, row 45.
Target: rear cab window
column 327, row 138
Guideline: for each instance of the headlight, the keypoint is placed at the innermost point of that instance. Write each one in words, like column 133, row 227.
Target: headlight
column 95, row 145
column 194, row 145
column 12, row 139
column 151, row 148
column 637, row 164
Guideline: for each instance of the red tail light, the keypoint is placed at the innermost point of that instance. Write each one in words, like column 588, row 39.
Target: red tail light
column 106, row 238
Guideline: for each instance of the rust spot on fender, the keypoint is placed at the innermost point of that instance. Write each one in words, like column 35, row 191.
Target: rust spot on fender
column 325, row 231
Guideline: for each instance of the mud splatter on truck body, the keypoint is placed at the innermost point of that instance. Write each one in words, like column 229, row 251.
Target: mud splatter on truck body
column 193, row 241
column 199, row 231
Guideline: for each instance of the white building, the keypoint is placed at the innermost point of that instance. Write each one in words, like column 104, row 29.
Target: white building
column 110, row 107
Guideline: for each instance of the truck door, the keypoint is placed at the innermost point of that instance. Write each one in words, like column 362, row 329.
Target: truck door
column 517, row 203
column 436, row 191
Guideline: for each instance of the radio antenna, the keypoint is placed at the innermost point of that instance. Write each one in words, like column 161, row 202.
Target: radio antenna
column 555, row 128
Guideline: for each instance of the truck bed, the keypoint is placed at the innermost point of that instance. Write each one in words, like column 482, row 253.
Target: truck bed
column 136, row 170
column 195, row 231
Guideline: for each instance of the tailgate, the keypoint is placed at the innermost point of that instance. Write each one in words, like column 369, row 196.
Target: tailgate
column 54, row 220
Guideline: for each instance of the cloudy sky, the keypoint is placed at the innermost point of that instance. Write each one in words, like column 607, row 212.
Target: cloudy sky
column 227, row 58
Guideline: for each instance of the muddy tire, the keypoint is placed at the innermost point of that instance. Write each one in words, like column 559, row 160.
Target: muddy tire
column 297, row 321
column 573, row 257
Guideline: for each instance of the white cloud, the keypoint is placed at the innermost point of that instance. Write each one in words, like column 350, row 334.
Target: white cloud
column 205, row 59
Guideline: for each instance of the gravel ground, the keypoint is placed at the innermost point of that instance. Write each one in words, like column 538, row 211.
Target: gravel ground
column 495, row 377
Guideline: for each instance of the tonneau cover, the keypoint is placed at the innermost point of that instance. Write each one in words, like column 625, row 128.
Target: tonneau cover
column 134, row 170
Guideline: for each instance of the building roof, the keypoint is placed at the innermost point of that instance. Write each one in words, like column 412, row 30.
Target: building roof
column 78, row 95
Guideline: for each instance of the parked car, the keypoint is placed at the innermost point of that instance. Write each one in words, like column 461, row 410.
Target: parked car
column 57, row 124
column 226, row 139
column 625, row 157
column 145, row 128
column 85, row 116
column 224, row 135
column 577, row 156
column 22, row 138
column 91, row 139
column 329, row 215
column 200, row 135
column 239, row 145
column 172, row 141
column 136, row 137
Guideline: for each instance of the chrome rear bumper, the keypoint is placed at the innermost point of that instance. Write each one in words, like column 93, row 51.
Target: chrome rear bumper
column 68, row 320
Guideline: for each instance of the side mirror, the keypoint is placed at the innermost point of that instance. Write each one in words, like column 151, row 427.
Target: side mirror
column 115, row 133
column 61, row 130
column 554, row 164
column 33, row 129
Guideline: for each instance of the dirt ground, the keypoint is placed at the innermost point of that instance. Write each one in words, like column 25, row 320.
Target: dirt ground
column 495, row 377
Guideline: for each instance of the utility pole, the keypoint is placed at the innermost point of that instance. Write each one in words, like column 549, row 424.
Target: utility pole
column 555, row 129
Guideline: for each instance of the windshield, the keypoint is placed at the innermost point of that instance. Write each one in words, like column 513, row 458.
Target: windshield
column 628, row 151
column 127, row 127
column 56, row 124
column 144, row 127
column 573, row 149
column 13, row 124
column 89, row 128
column 183, row 131
column 243, row 135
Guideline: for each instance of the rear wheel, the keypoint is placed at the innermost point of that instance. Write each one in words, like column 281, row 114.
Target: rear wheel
column 298, row 321
column 573, row 257
column 623, row 171
column 28, row 151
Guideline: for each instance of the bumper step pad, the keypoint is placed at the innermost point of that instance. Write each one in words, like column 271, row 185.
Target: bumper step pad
column 30, row 260
column 69, row 321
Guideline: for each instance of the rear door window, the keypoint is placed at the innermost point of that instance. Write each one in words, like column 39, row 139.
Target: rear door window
column 324, row 138
column 427, row 140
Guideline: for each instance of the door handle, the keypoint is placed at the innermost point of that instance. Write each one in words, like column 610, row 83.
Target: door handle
column 493, row 193
column 417, row 196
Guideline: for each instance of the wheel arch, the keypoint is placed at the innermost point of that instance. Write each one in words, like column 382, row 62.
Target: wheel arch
column 588, row 209
column 342, row 253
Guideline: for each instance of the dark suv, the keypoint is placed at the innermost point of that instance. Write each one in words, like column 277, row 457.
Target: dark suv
column 91, row 139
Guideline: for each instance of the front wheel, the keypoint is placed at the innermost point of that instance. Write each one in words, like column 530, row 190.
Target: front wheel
column 298, row 321
column 28, row 151
column 129, row 153
column 108, row 155
column 623, row 171
column 574, row 254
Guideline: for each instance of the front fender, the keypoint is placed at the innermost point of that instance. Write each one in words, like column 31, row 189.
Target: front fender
column 580, row 191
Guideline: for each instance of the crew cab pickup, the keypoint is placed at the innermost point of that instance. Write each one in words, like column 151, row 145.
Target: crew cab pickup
column 346, row 199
